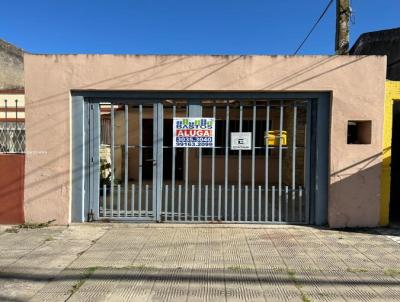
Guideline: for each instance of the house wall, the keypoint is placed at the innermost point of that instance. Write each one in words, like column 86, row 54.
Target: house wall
column 356, row 84
column 11, row 66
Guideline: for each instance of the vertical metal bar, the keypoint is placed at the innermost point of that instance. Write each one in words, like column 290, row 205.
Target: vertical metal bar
column 126, row 189
column 273, row 204
column 280, row 161
column 133, row 200
column 300, row 204
column 173, row 172
column 158, row 142
column 213, row 169
column 219, row 202
column 200, row 166
column 140, row 159
column 246, row 191
column 226, row 158
column 286, row 203
column 95, row 153
column 206, row 203
column 233, row 203
column 166, row 203
column 267, row 110
column 147, row 201
column 16, row 149
column 259, row 203
column 104, row 200
column 6, row 124
column 186, row 180
column 199, row 186
column 186, row 172
column 199, row 179
column 172, row 203
column 90, row 153
column 118, row 200
column 199, row 206
column 266, row 204
column 253, row 155
column 240, row 165
column 139, row 203
column 179, row 201
column 154, row 186
column 112, row 161
column 212, row 204
column 294, row 159
column 192, row 207
column 307, row 161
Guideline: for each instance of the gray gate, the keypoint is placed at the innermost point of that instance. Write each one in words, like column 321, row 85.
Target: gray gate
column 143, row 177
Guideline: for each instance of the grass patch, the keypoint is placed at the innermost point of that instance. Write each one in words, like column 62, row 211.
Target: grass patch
column 305, row 298
column 29, row 225
column 138, row 266
column 239, row 267
column 292, row 277
column 234, row 267
column 291, row 274
column 40, row 225
column 12, row 230
column 392, row 272
column 356, row 270
column 50, row 238
column 86, row 275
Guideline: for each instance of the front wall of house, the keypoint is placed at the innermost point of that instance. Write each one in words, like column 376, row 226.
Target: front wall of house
column 356, row 82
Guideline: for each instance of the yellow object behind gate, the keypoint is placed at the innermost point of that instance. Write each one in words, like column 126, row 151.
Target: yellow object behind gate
column 274, row 137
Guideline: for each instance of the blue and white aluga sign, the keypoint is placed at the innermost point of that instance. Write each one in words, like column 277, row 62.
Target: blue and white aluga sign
column 194, row 132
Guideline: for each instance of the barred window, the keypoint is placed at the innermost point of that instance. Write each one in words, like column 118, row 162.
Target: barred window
column 12, row 137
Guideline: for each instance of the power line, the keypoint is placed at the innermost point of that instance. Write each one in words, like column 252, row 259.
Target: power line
column 314, row 26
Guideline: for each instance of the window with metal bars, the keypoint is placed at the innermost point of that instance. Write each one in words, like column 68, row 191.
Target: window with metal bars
column 12, row 137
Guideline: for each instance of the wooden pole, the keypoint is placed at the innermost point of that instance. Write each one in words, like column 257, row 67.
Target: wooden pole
column 343, row 13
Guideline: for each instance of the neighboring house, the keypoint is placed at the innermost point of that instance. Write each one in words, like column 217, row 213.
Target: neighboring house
column 387, row 42
column 383, row 43
column 12, row 133
column 11, row 67
column 12, row 99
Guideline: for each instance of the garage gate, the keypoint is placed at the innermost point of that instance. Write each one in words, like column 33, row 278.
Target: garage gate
column 139, row 175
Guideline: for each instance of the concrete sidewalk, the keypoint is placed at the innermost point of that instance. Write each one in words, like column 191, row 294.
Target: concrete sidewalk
column 164, row 262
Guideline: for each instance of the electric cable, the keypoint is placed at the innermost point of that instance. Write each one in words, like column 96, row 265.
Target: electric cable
column 314, row 26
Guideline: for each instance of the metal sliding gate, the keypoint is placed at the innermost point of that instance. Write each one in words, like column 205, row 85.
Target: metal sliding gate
column 142, row 176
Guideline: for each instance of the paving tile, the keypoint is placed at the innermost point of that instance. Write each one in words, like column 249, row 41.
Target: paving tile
column 151, row 262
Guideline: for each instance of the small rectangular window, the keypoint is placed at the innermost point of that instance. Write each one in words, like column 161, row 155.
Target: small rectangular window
column 359, row 132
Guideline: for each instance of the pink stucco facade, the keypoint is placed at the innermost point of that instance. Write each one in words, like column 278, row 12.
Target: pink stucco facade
column 356, row 84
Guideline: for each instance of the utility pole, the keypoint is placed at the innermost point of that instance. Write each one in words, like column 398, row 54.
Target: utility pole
column 343, row 13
